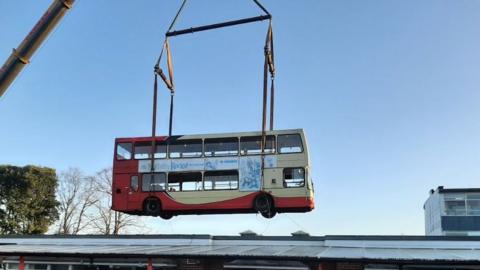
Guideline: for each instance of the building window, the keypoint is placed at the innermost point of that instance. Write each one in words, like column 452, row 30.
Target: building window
column 124, row 151
column 473, row 204
column 253, row 145
column 291, row 143
column 293, row 177
column 220, row 180
column 36, row 266
column 153, row 182
column 186, row 149
column 190, row 181
column 221, row 147
column 455, row 204
column 134, row 183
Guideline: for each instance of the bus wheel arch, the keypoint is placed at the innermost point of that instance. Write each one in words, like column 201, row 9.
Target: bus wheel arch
column 264, row 204
column 152, row 206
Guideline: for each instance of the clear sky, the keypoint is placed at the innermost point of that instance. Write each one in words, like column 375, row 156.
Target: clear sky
column 387, row 91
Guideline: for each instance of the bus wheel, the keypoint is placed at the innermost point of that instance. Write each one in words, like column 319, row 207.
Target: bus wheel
column 152, row 206
column 264, row 205
column 166, row 215
column 269, row 214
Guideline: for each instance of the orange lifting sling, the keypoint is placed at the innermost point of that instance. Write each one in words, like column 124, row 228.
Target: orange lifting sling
column 269, row 68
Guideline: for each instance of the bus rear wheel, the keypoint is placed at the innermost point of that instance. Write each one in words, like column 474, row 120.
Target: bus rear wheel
column 264, row 205
column 166, row 215
column 152, row 206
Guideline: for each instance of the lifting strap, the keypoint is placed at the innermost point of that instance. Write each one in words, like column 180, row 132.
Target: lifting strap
column 268, row 69
column 158, row 71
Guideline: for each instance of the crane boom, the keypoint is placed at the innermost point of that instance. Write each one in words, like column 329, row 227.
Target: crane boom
column 20, row 56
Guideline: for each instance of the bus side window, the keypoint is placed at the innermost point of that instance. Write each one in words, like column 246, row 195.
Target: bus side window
column 185, row 148
column 253, row 145
column 188, row 181
column 153, row 182
column 160, row 150
column 124, row 151
column 221, row 147
column 293, row 177
column 134, row 183
column 142, row 150
column 291, row 143
column 220, row 180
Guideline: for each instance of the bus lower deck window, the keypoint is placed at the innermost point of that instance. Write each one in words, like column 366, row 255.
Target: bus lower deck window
column 153, row 182
column 189, row 181
column 124, row 151
column 293, row 177
column 134, row 183
column 291, row 143
column 220, row 180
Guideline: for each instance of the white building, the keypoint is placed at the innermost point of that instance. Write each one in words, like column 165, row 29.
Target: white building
column 453, row 211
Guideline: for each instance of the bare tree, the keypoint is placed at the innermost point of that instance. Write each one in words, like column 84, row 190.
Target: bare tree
column 76, row 194
column 105, row 220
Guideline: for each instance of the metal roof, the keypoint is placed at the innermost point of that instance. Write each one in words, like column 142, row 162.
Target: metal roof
column 404, row 249
column 441, row 189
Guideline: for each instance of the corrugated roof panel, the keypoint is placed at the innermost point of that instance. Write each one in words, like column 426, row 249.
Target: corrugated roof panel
column 410, row 249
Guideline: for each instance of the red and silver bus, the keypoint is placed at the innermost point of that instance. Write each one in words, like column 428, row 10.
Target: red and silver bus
column 213, row 173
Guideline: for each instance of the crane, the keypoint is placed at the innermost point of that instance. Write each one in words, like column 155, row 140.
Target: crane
column 20, row 56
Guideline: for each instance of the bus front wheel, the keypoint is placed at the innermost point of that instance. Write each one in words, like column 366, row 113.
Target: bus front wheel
column 264, row 205
column 152, row 206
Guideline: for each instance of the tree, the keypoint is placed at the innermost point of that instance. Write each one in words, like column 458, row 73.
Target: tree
column 77, row 195
column 27, row 199
column 107, row 221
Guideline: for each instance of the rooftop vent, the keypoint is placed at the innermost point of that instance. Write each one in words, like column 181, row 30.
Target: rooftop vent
column 300, row 233
column 248, row 233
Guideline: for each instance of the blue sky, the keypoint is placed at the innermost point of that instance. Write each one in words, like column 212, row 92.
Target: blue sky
column 387, row 91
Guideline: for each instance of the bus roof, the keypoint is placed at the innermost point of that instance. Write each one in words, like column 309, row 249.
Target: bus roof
column 211, row 135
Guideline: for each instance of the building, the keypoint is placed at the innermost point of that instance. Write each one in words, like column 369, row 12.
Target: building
column 453, row 211
column 195, row 252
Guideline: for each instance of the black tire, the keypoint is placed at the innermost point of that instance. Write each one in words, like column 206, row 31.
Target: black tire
column 152, row 206
column 264, row 205
column 166, row 215
column 269, row 214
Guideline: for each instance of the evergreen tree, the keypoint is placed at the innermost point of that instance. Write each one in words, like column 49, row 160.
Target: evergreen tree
column 27, row 199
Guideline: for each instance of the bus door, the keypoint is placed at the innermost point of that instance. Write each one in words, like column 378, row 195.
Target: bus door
column 134, row 197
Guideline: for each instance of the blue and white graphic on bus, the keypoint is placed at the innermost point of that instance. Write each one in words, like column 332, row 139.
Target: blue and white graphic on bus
column 212, row 164
column 215, row 164
column 193, row 164
column 250, row 173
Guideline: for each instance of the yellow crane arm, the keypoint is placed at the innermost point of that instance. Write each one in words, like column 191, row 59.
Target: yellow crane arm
column 20, row 56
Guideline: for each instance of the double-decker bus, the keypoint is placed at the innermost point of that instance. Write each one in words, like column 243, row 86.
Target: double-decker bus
column 214, row 173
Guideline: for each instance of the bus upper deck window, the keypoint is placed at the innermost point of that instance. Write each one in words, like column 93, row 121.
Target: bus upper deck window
column 291, row 143
column 221, row 147
column 253, row 145
column 142, row 150
column 124, row 151
column 160, row 150
column 185, row 149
